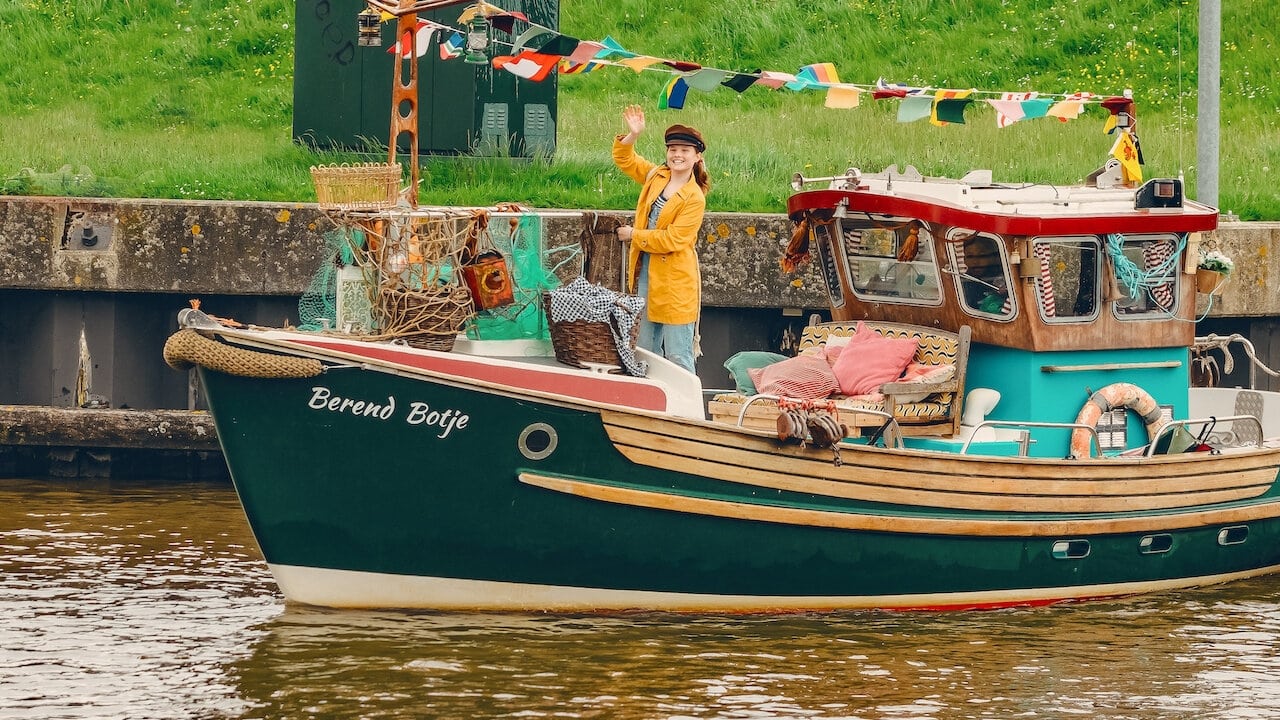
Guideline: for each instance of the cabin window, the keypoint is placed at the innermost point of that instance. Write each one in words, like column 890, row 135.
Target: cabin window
column 1066, row 284
column 890, row 259
column 1147, row 271
column 981, row 270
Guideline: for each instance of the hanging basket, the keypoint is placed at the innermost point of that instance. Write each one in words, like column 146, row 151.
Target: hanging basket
column 576, row 342
column 1209, row 282
column 366, row 186
column 427, row 319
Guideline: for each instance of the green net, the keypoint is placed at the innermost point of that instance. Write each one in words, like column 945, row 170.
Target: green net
column 318, row 306
column 531, row 273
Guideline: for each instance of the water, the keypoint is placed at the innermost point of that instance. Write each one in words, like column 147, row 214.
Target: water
column 137, row 600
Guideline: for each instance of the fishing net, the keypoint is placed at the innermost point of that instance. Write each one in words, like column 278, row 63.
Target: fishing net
column 397, row 275
column 318, row 306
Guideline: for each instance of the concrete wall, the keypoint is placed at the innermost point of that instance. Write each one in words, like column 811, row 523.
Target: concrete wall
column 90, row 289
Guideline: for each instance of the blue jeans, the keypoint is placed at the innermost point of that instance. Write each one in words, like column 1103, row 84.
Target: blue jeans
column 673, row 342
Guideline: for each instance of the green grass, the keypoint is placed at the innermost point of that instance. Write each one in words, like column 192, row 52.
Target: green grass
column 193, row 99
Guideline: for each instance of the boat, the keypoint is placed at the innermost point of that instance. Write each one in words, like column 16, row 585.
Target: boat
column 1069, row 457
column 997, row 412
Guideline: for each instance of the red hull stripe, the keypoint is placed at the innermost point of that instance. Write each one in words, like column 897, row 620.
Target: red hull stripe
column 613, row 390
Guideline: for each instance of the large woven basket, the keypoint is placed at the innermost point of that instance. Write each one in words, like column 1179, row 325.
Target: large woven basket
column 428, row 319
column 365, row 186
column 583, row 341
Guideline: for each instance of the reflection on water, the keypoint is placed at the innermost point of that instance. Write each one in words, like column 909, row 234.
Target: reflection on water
column 147, row 601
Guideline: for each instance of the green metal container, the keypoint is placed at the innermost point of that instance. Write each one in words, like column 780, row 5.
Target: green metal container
column 342, row 91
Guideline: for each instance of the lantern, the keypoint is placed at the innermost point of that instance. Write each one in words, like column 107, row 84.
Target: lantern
column 477, row 46
column 370, row 27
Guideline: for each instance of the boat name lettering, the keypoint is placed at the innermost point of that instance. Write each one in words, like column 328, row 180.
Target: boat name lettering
column 422, row 414
column 323, row 399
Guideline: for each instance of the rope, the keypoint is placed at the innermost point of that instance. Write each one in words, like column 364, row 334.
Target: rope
column 186, row 348
column 1135, row 279
column 1216, row 342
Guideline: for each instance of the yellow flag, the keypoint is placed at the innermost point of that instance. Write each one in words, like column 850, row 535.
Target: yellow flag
column 1127, row 153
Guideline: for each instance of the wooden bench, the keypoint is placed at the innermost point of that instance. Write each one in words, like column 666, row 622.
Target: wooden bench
column 937, row 414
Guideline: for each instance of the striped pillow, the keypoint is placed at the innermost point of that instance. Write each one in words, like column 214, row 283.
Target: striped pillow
column 804, row 377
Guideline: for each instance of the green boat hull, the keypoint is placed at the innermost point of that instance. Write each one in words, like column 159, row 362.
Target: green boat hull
column 373, row 480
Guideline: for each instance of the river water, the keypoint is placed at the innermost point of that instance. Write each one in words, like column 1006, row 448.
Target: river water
column 148, row 600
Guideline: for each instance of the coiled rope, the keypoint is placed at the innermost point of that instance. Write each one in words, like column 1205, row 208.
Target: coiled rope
column 187, row 347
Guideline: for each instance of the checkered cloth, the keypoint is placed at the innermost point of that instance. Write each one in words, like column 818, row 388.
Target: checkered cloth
column 581, row 300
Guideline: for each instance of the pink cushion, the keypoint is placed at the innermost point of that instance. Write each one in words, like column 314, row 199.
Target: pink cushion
column 804, row 377
column 871, row 360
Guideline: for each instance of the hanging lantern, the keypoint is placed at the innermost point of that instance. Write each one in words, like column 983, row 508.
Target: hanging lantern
column 370, row 27
column 477, row 47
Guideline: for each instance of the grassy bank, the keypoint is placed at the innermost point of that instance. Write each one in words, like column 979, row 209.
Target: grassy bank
column 194, row 99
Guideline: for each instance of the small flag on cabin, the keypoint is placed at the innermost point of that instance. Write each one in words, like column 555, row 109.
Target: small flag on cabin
column 451, row 48
column 1126, row 152
column 673, row 94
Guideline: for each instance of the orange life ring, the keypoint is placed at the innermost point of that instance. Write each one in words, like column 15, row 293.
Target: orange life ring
column 1115, row 395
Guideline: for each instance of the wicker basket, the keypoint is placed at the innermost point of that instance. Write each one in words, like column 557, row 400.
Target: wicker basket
column 366, row 186
column 583, row 341
column 428, row 319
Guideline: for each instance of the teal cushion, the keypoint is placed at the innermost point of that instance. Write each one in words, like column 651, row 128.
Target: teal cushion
column 740, row 363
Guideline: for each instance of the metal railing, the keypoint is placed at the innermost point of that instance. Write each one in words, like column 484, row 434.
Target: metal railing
column 1024, row 441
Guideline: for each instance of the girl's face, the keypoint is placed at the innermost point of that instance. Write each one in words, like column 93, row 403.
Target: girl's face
column 682, row 157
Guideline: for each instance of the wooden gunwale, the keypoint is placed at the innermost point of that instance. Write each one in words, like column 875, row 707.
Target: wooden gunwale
column 942, row 484
column 909, row 524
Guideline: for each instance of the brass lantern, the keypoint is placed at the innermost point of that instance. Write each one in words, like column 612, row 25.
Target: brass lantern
column 477, row 45
column 370, row 27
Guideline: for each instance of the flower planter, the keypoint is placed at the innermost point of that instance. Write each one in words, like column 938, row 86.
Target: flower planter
column 1209, row 281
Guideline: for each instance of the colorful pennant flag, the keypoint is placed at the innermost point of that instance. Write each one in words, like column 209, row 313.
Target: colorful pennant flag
column 939, row 96
column 951, row 110
column 775, row 80
column 568, row 67
column 1009, row 107
column 914, row 107
column 843, row 97
column 821, row 75
column 739, row 82
column 673, row 94
column 586, row 51
column 423, row 32
column 528, row 65
column 451, row 48
column 611, row 49
column 705, row 80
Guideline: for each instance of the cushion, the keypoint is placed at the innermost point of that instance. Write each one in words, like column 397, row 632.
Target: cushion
column 833, row 345
column 740, row 363
column 804, row 377
column 919, row 373
column 871, row 360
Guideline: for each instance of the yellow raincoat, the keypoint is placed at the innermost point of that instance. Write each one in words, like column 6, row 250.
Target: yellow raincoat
column 675, row 286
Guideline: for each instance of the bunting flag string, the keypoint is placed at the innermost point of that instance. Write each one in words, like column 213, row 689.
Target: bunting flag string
column 539, row 51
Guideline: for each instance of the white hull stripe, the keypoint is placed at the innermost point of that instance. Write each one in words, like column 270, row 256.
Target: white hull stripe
column 355, row 589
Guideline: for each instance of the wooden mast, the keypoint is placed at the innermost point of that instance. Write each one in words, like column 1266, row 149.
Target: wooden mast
column 404, row 91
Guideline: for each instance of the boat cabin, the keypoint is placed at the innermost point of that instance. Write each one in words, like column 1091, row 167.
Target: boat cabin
column 1064, row 290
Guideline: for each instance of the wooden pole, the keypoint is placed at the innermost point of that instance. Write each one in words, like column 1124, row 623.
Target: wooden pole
column 404, row 102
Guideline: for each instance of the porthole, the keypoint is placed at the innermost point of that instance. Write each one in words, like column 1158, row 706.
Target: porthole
column 1155, row 544
column 1070, row 549
column 1234, row 535
column 538, row 441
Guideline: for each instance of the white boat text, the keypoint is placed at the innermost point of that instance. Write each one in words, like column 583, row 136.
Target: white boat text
column 420, row 413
